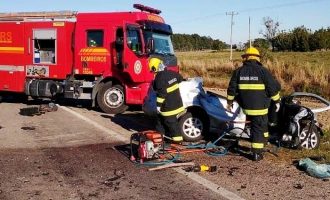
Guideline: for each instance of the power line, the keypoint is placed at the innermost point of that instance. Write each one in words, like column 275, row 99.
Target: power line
column 280, row 5
column 250, row 9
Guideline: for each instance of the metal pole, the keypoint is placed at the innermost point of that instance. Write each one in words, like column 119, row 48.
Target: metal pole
column 232, row 13
column 250, row 31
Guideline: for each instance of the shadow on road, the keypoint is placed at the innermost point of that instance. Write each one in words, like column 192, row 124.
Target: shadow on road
column 136, row 121
column 132, row 119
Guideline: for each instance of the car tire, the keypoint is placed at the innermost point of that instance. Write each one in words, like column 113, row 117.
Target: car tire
column 111, row 98
column 192, row 127
column 313, row 141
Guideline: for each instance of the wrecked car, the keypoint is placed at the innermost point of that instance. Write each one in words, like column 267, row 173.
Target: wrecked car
column 206, row 114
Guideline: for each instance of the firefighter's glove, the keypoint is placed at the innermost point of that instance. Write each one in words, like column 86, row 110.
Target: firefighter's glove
column 277, row 105
column 158, row 109
column 229, row 105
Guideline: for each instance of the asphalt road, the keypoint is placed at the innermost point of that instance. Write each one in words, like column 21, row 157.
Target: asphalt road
column 79, row 153
column 76, row 153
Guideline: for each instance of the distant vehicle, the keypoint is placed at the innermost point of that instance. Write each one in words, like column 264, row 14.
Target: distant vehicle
column 102, row 57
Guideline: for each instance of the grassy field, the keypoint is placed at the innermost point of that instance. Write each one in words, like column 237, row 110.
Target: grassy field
column 294, row 70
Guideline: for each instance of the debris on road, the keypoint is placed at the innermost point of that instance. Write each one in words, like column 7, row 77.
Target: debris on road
column 201, row 168
column 298, row 186
column 28, row 128
column 314, row 169
column 42, row 109
column 170, row 165
column 48, row 107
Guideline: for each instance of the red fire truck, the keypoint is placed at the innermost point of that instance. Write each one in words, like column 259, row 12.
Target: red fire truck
column 98, row 56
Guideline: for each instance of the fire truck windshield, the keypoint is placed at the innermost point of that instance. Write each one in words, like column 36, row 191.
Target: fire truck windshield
column 162, row 43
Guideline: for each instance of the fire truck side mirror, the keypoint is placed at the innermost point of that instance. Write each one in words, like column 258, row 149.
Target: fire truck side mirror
column 150, row 46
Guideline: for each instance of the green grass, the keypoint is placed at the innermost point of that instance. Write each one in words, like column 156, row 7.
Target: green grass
column 296, row 71
column 323, row 151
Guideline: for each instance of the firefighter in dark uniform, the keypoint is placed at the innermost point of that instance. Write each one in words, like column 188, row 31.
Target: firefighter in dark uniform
column 169, row 102
column 254, row 88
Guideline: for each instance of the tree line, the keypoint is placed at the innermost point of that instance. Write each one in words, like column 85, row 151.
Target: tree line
column 302, row 39
column 299, row 39
column 195, row 42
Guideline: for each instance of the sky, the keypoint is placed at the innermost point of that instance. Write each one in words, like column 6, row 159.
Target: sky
column 203, row 17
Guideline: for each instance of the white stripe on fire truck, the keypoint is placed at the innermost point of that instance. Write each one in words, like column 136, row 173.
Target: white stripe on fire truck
column 11, row 68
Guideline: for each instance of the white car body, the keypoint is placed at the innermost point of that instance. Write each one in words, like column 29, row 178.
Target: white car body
column 205, row 112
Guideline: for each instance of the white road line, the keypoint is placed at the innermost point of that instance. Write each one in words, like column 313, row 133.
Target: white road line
column 210, row 185
column 193, row 176
column 114, row 134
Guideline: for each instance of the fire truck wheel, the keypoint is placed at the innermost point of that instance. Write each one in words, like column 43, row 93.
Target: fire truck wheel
column 192, row 126
column 111, row 99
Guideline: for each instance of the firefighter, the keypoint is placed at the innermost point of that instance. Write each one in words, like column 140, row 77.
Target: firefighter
column 92, row 43
column 169, row 102
column 254, row 88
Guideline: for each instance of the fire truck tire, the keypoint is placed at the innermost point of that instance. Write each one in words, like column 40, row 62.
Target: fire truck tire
column 111, row 99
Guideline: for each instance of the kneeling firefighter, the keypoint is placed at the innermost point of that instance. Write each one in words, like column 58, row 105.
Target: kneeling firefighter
column 254, row 88
column 169, row 102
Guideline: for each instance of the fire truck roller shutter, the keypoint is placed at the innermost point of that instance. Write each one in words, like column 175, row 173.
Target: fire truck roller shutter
column 42, row 88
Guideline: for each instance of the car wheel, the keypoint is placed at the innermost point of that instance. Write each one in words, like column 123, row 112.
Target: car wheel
column 309, row 140
column 192, row 127
column 111, row 99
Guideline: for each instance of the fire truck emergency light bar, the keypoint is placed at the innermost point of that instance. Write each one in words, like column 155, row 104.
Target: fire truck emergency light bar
column 146, row 8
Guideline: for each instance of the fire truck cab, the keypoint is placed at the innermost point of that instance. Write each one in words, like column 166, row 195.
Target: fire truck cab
column 98, row 56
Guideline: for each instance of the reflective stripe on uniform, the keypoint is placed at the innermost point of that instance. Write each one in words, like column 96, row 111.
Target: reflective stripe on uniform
column 229, row 97
column 177, row 138
column 256, row 112
column 266, row 134
column 160, row 100
column 257, row 145
column 276, row 97
column 172, row 88
column 251, row 86
column 173, row 112
column 253, row 57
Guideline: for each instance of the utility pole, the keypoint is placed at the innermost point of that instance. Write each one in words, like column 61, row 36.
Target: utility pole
column 249, row 32
column 232, row 13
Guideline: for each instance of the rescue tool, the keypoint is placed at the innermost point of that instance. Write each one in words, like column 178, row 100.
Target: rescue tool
column 150, row 148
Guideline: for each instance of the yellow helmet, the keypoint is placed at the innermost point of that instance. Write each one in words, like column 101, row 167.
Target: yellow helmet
column 251, row 53
column 155, row 65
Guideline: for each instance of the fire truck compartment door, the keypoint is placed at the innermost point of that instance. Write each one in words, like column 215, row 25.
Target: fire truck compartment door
column 133, row 56
column 12, row 78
